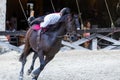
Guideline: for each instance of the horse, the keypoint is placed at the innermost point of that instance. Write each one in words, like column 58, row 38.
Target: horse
column 48, row 44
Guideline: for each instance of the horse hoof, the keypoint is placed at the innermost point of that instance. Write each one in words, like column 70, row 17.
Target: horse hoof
column 33, row 75
column 20, row 78
column 34, row 79
column 29, row 71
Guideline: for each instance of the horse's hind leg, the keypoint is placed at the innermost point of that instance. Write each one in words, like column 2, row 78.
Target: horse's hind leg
column 23, row 56
column 22, row 69
column 26, row 52
column 32, row 65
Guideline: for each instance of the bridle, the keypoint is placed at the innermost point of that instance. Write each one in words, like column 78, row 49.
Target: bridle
column 70, row 33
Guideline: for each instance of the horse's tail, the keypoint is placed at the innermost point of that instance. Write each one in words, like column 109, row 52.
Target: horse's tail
column 27, row 48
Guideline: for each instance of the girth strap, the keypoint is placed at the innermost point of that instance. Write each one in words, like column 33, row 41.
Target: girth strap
column 38, row 38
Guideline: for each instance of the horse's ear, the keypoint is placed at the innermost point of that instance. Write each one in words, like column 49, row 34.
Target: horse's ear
column 65, row 11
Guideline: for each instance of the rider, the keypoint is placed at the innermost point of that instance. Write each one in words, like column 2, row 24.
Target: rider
column 52, row 18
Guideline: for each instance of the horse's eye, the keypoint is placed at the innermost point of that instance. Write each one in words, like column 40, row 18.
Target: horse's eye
column 68, row 34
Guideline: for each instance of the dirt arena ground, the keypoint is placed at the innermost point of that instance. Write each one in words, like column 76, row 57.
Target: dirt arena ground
column 68, row 65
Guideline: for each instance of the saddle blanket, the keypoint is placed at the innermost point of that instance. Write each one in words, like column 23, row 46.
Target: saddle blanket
column 36, row 27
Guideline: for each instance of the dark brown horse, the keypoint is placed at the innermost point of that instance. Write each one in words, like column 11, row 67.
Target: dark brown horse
column 49, row 44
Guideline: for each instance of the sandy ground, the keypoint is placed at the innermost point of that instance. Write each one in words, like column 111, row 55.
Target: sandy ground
column 68, row 65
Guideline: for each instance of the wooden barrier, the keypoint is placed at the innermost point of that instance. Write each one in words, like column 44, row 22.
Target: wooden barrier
column 74, row 45
column 94, row 43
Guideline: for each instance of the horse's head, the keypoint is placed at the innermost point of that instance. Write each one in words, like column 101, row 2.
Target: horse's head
column 66, row 26
column 71, row 29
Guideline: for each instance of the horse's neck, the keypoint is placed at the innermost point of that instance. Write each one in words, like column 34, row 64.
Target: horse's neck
column 60, row 31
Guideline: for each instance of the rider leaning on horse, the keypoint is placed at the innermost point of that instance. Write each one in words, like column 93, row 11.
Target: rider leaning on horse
column 51, row 19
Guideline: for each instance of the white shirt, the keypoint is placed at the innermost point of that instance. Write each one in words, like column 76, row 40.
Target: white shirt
column 50, row 19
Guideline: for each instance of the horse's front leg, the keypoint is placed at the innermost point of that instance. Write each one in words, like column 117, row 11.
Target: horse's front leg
column 44, row 62
column 33, row 62
column 36, row 73
column 22, row 69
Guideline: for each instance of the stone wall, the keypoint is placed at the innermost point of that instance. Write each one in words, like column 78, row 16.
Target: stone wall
column 2, row 14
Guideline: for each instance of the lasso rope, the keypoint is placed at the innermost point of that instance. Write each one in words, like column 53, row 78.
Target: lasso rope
column 112, row 24
column 52, row 5
column 22, row 9
column 79, row 14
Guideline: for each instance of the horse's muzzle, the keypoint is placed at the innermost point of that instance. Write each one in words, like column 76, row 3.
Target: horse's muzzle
column 70, row 37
